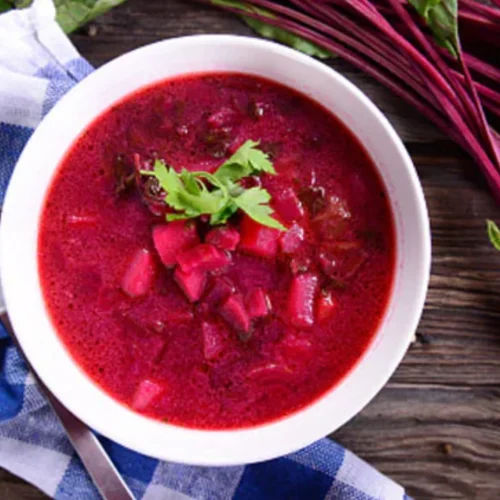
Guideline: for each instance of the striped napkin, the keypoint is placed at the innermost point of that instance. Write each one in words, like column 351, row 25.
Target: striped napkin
column 38, row 64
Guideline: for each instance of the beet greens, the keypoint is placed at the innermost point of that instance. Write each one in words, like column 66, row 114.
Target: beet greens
column 412, row 47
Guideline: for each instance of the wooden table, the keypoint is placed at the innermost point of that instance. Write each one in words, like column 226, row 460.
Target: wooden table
column 435, row 427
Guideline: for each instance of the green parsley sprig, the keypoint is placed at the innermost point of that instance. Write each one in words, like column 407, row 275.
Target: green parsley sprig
column 220, row 195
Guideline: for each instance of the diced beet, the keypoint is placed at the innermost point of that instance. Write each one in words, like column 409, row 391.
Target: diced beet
column 234, row 312
column 288, row 205
column 301, row 300
column 140, row 274
column 213, row 341
column 291, row 240
column 258, row 303
column 204, row 257
column 219, row 291
column 325, row 306
column 173, row 238
column 271, row 371
column 191, row 283
column 147, row 391
column 225, row 237
column 257, row 239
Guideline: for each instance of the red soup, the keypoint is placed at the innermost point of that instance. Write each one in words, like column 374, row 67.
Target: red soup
column 216, row 321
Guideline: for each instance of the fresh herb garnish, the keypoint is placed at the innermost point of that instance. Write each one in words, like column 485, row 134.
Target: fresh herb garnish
column 220, row 195
column 493, row 234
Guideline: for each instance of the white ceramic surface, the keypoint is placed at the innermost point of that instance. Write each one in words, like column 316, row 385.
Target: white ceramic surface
column 19, row 229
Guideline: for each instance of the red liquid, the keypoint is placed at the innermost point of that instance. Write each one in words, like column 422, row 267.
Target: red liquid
column 89, row 235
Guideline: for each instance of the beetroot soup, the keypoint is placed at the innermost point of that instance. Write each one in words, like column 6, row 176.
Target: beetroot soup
column 216, row 251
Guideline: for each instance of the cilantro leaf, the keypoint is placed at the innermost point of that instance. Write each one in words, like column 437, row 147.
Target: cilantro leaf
column 186, row 192
column 247, row 160
column 493, row 234
column 189, row 195
column 224, row 214
column 255, row 203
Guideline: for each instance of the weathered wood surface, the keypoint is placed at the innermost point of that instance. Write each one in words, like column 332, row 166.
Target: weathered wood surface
column 435, row 428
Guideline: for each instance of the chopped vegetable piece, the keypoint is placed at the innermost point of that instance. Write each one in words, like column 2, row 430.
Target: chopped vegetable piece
column 291, row 241
column 146, row 392
column 140, row 274
column 191, row 283
column 270, row 371
column 258, row 303
column 172, row 238
column 225, row 237
column 204, row 257
column 301, row 300
column 220, row 290
column 234, row 312
column 325, row 306
column 287, row 205
column 257, row 239
column 212, row 341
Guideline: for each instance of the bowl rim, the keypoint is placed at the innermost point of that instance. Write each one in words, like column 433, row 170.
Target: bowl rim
column 240, row 445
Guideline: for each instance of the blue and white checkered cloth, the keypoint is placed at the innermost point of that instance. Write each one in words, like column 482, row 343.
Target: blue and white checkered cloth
column 38, row 65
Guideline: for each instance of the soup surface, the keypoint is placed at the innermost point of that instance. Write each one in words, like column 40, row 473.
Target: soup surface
column 216, row 326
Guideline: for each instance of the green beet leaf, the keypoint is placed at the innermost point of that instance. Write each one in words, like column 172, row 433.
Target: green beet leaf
column 272, row 32
column 441, row 17
column 71, row 14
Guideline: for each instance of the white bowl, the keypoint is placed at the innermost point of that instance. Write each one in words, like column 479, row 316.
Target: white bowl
column 19, row 230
